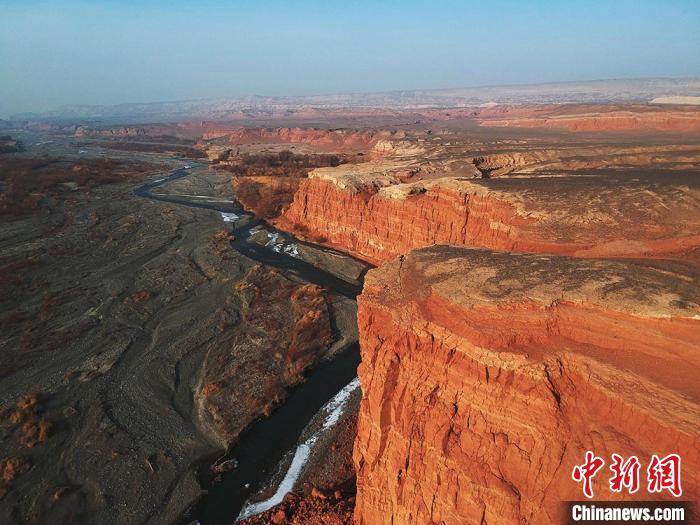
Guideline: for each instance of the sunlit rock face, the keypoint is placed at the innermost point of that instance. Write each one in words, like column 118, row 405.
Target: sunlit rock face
column 486, row 376
column 376, row 211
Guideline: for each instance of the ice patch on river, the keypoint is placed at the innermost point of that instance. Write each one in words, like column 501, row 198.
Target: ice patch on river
column 291, row 249
column 229, row 217
column 332, row 410
column 272, row 243
column 279, row 244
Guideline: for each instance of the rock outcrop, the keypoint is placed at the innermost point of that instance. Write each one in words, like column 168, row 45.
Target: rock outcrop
column 335, row 139
column 487, row 376
column 622, row 120
column 369, row 211
column 571, row 159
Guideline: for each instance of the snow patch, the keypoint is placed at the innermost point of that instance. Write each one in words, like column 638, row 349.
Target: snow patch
column 273, row 238
column 279, row 244
column 229, row 217
column 333, row 410
column 291, row 249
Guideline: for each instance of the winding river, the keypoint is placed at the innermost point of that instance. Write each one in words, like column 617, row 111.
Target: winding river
column 261, row 448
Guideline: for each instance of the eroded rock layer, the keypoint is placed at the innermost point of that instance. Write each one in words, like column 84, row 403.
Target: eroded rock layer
column 486, row 377
column 370, row 211
column 595, row 118
column 334, row 139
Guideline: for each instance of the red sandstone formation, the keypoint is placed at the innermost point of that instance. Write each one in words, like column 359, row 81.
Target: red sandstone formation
column 488, row 373
column 487, row 376
column 597, row 118
column 340, row 139
column 371, row 214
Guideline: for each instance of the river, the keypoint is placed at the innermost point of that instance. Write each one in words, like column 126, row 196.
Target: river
column 263, row 445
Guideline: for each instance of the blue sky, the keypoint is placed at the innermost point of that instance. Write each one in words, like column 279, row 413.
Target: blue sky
column 64, row 52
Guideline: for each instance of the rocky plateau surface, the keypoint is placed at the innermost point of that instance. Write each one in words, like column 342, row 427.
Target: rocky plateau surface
column 487, row 375
column 410, row 199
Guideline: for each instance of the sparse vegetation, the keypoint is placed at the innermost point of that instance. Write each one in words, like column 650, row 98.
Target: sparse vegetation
column 266, row 182
column 26, row 181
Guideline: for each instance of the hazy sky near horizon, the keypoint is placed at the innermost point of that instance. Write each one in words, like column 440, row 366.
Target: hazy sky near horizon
column 87, row 52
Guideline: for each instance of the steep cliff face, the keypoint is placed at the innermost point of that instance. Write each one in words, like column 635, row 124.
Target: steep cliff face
column 376, row 216
column 486, row 376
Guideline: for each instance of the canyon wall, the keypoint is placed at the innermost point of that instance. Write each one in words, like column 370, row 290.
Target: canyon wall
column 335, row 139
column 368, row 211
column 532, row 304
column 486, row 377
column 552, row 160
column 664, row 121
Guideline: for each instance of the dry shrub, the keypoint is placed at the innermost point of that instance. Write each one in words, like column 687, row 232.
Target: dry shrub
column 140, row 297
column 283, row 171
column 34, row 433
column 266, row 199
column 222, row 236
column 210, row 389
column 10, row 469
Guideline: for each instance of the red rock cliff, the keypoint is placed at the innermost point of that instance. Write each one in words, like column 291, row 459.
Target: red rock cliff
column 340, row 139
column 368, row 211
column 486, row 376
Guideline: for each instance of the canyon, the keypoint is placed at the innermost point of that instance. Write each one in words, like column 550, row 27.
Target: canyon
column 386, row 207
column 534, row 299
column 528, row 306
column 526, row 283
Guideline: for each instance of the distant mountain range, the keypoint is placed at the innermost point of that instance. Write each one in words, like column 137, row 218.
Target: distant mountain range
column 600, row 91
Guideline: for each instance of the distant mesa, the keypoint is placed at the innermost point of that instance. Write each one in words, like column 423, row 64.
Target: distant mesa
column 257, row 107
column 685, row 101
